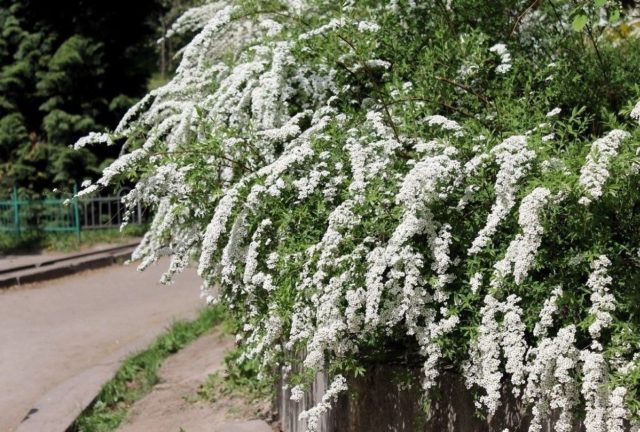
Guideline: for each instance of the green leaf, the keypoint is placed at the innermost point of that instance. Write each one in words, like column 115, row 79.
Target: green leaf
column 614, row 16
column 599, row 3
column 579, row 21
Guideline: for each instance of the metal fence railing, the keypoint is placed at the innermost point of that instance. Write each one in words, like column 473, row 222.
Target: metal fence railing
column 107, row 212
column 60, row 215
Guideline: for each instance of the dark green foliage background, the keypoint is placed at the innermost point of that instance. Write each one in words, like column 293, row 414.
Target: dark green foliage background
column 68, row 67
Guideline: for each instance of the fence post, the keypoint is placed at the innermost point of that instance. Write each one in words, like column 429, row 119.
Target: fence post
column 76, row 212
column 16, row 210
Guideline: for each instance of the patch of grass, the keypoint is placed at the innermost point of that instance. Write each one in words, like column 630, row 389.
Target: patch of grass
column 242, row 376
column 33, row 241
column 70, row 242
column 240, row 379
column 211, row 390
column 25, row 242
column 138, row 374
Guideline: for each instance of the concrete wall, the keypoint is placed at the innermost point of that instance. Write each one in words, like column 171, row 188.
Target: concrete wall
column 376, row 404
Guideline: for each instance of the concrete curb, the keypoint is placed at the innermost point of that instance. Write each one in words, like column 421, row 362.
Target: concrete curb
column 58, row 408
column 245, row 426
column 68, row 265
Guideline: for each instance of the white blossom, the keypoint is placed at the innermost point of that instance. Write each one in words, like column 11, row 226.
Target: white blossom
column 594, row 173
column 513, row 158
column 495, row 340
column 522, row 250
column 548, row 137
column 93, row 138
column 617, row 412
column 476, row 282
column 635, row 112
column 593, row 371
column 554, row 112
column 445, row 123
column 505, row 57
column 312, row 416
column 602, row 301
column 550, row 382
column 549, row 308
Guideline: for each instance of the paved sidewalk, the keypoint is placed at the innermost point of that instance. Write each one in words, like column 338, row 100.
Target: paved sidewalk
column 18, row 260
column 53, row 331
column 173, row 404
column 17, row 270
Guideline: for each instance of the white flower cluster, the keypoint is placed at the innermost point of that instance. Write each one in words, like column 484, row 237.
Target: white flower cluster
column 593, row 371
column 476, row 282
column 522, row 249
column 93, row 138
column 635, row 112
column 551, row 386
column 445, row 123
column 514, row 159
column 194, row 18
column 313, row 415
column 604, row 407
column 616, row 410
column 554, row 112
column 602, row 301
column 549, row 308
column 595, row 172
column 497, row 338
column 505, row 57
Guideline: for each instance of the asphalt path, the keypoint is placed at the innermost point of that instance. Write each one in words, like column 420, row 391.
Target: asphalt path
column 55, row 330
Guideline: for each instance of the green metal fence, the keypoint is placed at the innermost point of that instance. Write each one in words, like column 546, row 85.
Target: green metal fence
column 20, row 214
column 49, row 214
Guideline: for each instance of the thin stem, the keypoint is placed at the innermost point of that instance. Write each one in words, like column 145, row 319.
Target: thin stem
column 443, row 104
column 522, row 15
column 409, row 99
column 380, row 92
column 466, row 88
column 200, row 152
column 447, row 16
column 598, row 55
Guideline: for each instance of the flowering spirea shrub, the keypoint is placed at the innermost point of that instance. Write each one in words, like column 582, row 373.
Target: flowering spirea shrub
column 454, row 182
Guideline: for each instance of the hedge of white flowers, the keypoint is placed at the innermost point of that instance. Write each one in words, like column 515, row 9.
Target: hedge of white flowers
column 453, row 182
